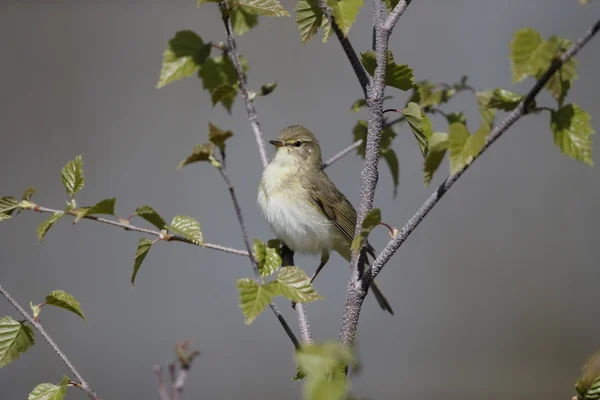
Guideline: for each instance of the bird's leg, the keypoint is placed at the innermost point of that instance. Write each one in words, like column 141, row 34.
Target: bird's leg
column 324, row 259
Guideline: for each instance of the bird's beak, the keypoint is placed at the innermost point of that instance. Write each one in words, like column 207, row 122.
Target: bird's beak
column 276, row 143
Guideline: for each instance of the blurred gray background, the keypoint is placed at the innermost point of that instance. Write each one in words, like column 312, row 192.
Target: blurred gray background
column 495, row 293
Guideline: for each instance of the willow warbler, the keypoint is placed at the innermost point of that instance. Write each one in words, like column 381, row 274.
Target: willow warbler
column 303, row 206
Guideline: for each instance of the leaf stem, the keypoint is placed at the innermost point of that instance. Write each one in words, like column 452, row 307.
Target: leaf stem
column 83, row 385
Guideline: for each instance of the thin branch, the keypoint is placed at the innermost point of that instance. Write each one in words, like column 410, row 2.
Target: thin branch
column 83, row 385
column 395, row 15
column 514, row 116
column 342, row 153
column 361, row 74
column 128, row 227
column 238, row 212
column 235, row 58
column 158, row 371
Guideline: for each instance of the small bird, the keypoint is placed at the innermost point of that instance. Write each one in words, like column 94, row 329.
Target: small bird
column 303, row 206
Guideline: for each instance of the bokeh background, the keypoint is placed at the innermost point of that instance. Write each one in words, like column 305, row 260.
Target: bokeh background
column 495, row 293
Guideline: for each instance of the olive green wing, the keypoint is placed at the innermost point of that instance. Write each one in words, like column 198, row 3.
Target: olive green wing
column 326, row 197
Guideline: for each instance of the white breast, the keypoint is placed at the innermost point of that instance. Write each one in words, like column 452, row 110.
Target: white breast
column 294, row 220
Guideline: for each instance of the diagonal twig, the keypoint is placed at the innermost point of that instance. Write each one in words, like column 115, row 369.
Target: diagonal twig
column 82, row 384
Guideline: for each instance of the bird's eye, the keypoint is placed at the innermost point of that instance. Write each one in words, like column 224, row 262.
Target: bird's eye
column 298, row 143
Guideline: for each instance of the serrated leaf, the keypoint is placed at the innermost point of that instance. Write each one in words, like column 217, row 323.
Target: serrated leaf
column 390, row 4
column 49, row 391
column 253, row 298
column 8, row 204
column 326, row 28
column 106, row 206
column 218, row 136
column 269, row 8
column 4, row 217
column 62, row 299
column 438, row 144
column 524, row 43
column 419, row 124
column 187, row 227
column 463, row 147
column 572, row 132
column 560, row 83
column 389, row 155
column 15, row 339
column 398, row 76
column 224, row 94
column 294, row 284
column 309, row 18
column 456, row 117
column 72, row 176
column 267, row 88
column 372, row 219
column 184, row 56
column 30, row 191
column 140, row 254
column 45, row 226
column 242, row 21
column 505, row 100
column 149, row 214
column 201, row 152
column 267, row 257
column 344, row 12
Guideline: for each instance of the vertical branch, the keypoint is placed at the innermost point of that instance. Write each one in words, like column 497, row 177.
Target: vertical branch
column 250, row 110
column 82, row 384
column 287, row 258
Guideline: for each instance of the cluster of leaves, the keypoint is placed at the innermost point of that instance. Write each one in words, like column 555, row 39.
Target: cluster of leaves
column 291, row 282
column 588, row 385
column 16, row 337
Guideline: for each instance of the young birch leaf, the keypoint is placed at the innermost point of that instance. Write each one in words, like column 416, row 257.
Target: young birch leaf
column 308, row 17
column 456, row 117
column 560, row 83
column 505, row 100
column 389, row 155
column 224, row 94
column 174, row 68
column 106, row 206
column 253, row 298
column 187, row 227
column 219, row 71
column 30, row 191
column 572, row 132
column 464, row 147
column 8, row 204
column 62, row 299
column 372, row 219
column 398, row 76
column 4, row 217
column 294, row 284
column 417, row 121
column 184, row 56
column 267, row 88
column 49, row 391
column 269, row 8
column 588, row 386
column 149, row 214
column 344, row 12
column 326, row 28
column 267, row 257
column 242, row 21
column 524, row 43
column 487, row 114
column 201, row 152
column 438, row 144
column 140, row 255
column 15, row 339
column 218, row 136
column 45, row 226
column 72, row 176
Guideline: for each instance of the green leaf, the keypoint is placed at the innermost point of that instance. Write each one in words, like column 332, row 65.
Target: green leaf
column 456, row 117
column 427, row 94
column 242, row 21
column 174, row 69
column 35, row 310
column 326, row 28
column 106, row 206
column 524, row 43
column 419, row 124
column 8, row 204
column 309, row 18
column 219, row 71
column 505, row 100
column 389, row 155
column 438, row 144
column 218, row 136
column 184, row 56
column 344, row 12
column 224, row 94
column 587, row 386
column 560, row 83
column 269, row 8
column 30, row 191
column 15, row 339
column 372, row 219
column 187, row 227
column 201, row 152
column 398, row 76
column 390, row 4
column 267, row 88
column 48, row 391
column 149, row 214
column 487, row 114
column 72, row 176
column 140, row 254
column 254, row 298
column 464, row 147
column 4, row 217
column 45, row 226
column 62, row 299
column 294, row 284
column 572, row 132
column 267, row 257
